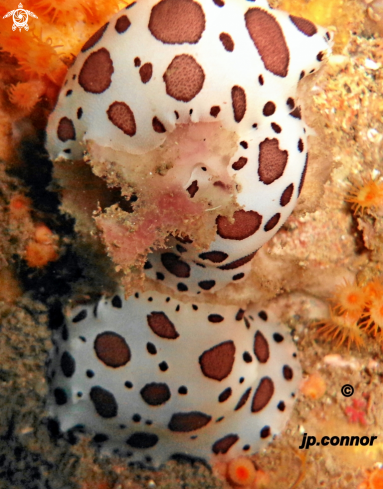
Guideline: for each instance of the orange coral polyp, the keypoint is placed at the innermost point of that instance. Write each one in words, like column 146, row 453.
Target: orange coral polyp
column 26, row 95
column 241, row 471
column 38, row 62
column 365, row 196
column 372, row 319
column 63, row 10
column 341, row 329
column 314, row 387
column 374, row 290
column 44, row 235
column 374, row 480
column 36, row 58
column 38, row 255
column 350, row 299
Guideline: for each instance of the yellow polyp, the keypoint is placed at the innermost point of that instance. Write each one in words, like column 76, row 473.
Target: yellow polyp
column 314, row 387
column 341, row 330
column 372, row 319
column 26, row 95
column 368, row 194
column 36, row 58
column 374, row 289
column 349, row 298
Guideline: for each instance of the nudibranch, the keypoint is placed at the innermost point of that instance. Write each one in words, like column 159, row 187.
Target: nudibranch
column 152, row 377
column 195, row 99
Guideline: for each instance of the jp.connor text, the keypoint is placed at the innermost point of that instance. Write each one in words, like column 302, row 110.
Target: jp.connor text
column 310, row 441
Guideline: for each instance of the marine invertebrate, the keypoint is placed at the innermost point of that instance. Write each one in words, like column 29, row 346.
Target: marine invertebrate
column 314, row 387
column 357, row 412
column 36, row 57
column 26, row 94
column 170, row 114
column 43, row 249
column 215, row 152
column 241, row 471
column 38, row 255
column 63, row 11
column 366, row 195
column 153, row 377
column 340, row 329
column 356, row 312
column 372, row 317
column 373, row 480
column 374, row 289
column 349, row 298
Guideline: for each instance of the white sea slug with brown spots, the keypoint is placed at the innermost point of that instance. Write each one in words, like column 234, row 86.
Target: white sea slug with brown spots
column 190, row 105
column 153, row 378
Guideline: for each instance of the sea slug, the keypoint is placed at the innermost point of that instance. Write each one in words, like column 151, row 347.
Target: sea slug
column 190, row 106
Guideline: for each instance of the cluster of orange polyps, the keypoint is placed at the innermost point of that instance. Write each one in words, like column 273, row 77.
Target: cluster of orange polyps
column 34, row 63
column 355, row 312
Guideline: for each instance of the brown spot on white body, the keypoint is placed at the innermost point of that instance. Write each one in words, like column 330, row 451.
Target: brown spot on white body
column 217, row 362
column 161, row 325
column 262, row 395
column 96, row 72
column 304, row 25
column 261, row 347
column 121, row 115
column 112, row 349
column 191, row 421
column 245, row 224
column 66, row 130
column 269, row 40
column 272, row 161
column 177, row 21
column 223, row 445
column 238, row 98
column 95, row 38
column 184, row 78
